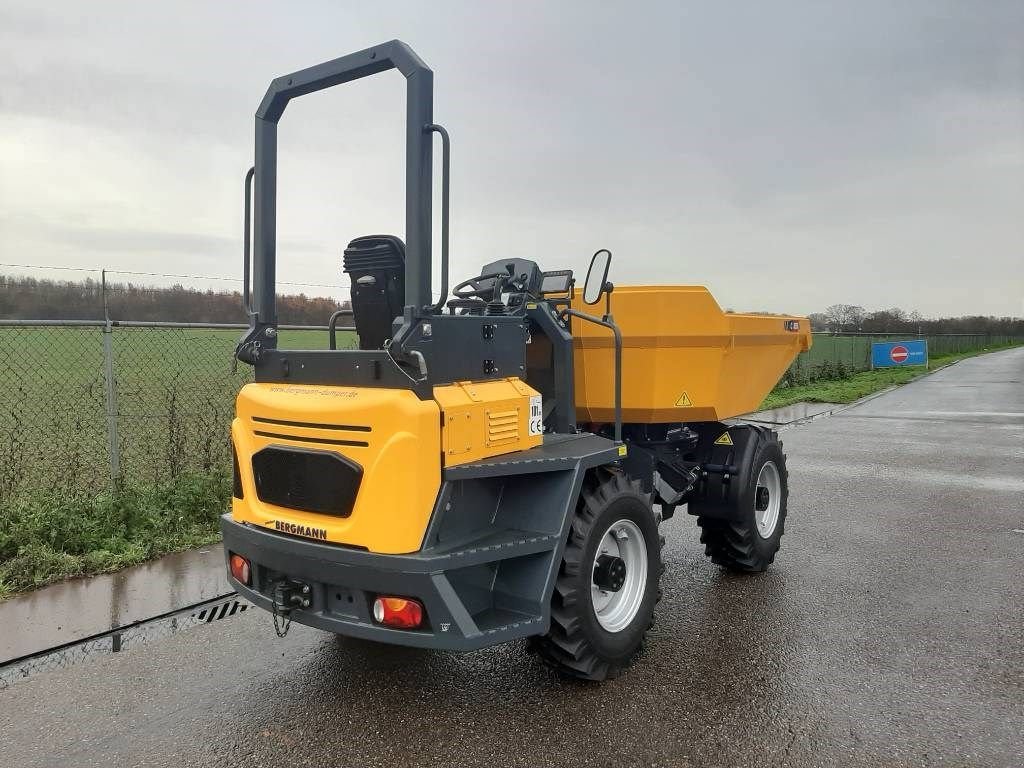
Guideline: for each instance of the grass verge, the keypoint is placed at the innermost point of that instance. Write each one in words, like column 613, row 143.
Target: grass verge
column 858, row 385
column 49, row 536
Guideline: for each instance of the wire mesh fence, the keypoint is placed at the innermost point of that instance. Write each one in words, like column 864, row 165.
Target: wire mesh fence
column 85, row 403
column 835, row 356
column 52, row 409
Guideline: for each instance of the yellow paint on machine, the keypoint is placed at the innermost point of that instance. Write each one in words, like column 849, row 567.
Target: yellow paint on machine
column 399, row 454
column 487, row 418
column 676, row 339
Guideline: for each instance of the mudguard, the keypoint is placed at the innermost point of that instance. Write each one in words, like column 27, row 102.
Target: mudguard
column 726, row 454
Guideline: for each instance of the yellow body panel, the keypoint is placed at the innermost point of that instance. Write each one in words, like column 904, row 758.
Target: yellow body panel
column 683, row 358
column 487, row 418
column 401, row 461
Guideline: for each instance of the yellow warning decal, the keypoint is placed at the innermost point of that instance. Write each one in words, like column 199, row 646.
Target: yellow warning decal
column 622, row 450
column 684, row 401
column 531, row 306
column 725, row 439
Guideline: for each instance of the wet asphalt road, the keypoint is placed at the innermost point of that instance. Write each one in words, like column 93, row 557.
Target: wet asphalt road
column 889, row 632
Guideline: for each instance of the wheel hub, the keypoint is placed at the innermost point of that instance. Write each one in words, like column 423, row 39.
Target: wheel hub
column 767, row 499
column 619, row 576
column 763, row 497
column 610, row 573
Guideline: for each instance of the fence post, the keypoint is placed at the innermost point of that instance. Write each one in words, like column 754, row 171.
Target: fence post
column 110, row 393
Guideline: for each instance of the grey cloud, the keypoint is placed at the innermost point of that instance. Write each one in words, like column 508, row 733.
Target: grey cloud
column 704, row 141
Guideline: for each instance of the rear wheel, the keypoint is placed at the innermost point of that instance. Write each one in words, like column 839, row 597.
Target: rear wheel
column 749, row 541
column 603, row 602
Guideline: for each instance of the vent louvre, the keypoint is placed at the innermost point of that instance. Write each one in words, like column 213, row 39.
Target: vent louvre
column 502, row 427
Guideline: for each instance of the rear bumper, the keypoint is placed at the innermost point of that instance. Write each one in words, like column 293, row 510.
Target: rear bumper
column 344, row 583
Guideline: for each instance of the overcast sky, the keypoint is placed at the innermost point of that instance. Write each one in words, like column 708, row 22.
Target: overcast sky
column 788, row 155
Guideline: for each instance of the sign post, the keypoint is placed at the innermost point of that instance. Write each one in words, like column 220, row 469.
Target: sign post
column 899, row 354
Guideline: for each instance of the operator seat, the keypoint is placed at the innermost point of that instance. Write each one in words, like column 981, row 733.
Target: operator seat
column 376, row 266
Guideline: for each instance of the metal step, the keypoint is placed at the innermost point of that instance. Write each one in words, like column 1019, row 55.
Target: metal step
column 558, row 453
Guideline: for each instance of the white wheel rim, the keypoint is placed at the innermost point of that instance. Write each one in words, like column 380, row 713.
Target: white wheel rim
column 767, row 499
column 616, row 610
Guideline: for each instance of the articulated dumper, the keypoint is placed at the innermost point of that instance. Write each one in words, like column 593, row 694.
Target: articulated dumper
column 494, row 466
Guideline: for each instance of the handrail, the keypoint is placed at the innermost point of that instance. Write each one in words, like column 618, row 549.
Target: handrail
column 247, row 241
column 446, row 161
column 332, row 325
column 618, row 360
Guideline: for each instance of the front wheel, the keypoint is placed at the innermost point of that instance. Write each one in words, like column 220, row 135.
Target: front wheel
column 749, row 540
column 608, row 584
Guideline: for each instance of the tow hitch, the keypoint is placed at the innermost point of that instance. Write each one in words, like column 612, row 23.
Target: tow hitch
column 288, row 595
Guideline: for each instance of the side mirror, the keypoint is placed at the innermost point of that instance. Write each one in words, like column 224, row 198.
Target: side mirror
column 597, row 276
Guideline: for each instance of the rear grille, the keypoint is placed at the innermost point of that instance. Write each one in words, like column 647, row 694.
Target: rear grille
column 311, row 424
column 357, row 440
column 307, row 479
column 318, row 440
column 502, row 427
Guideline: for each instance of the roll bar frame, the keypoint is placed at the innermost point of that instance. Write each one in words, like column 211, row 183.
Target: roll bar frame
column 418, row 172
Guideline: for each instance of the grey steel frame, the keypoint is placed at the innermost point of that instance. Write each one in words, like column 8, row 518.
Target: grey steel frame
column 419, row 167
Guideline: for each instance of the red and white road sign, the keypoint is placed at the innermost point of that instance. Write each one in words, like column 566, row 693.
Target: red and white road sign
column 899, row 354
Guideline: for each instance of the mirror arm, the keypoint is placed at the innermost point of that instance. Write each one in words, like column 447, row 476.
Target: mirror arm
column 608, row 288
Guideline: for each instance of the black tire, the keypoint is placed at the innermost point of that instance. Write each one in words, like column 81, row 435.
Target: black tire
column 736, row 544
column 576, row 644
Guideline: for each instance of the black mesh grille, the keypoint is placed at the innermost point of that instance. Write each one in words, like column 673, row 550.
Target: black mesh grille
column 313, row 481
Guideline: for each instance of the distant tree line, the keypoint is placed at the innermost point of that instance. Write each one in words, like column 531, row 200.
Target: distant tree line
column 28, row 298
column 851, row 318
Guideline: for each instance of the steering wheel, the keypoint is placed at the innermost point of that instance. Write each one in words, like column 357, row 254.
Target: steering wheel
column 472, row 288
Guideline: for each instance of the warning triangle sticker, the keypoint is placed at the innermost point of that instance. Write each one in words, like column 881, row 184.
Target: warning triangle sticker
column 725, row 439
column 684, row 401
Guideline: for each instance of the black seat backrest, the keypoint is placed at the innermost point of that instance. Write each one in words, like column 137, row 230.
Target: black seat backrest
column 376, row 266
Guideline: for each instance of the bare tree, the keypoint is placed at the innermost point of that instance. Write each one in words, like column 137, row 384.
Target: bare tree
column 844, row 317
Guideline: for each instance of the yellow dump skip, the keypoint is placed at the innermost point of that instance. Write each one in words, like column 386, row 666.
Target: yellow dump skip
column 683, row 358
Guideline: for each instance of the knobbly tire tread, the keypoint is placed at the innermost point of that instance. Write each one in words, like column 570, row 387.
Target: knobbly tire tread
column 566, row 647
column 737, row 546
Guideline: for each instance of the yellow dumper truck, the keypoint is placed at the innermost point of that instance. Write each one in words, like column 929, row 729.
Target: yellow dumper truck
column 495, row 465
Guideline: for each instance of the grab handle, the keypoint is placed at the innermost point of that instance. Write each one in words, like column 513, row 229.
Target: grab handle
column 446, row 164
column 247, row 241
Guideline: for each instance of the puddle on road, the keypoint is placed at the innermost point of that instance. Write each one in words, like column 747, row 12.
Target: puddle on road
column 81, row 608
column 790, row 413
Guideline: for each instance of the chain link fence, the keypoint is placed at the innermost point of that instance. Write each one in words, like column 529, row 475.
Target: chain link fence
column 835, row 356
column 83, row 404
